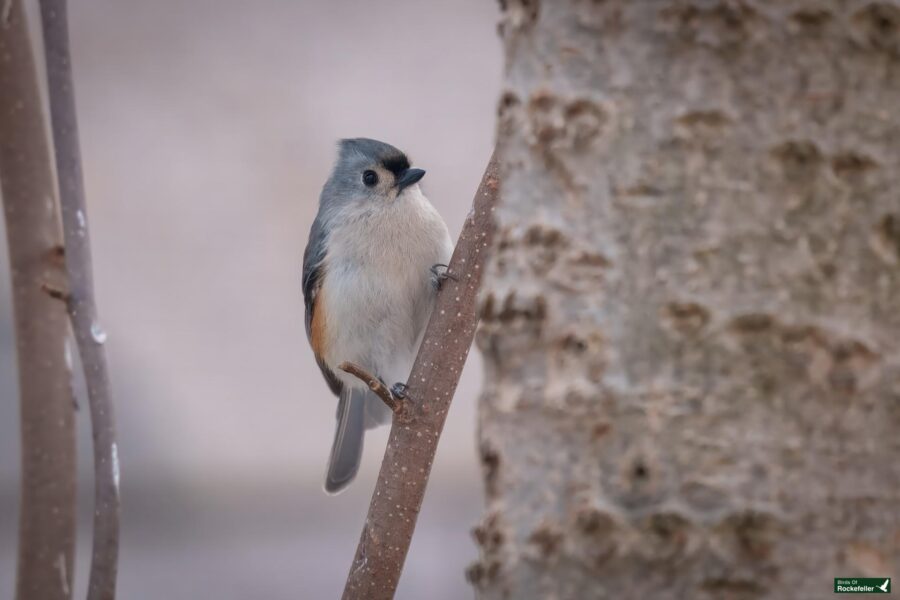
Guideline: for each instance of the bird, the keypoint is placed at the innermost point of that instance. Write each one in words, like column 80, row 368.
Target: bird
column 377, row 254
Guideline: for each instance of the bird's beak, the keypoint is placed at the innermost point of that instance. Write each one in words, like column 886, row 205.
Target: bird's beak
column 409, row 177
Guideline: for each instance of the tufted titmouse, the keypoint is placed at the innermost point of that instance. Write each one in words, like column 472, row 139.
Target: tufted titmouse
column 369, row 282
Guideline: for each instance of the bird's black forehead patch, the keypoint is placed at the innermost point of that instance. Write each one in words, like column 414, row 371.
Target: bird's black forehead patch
column 358, row 153
column 396, row 163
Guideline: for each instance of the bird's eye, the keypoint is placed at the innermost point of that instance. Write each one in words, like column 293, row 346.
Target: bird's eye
column 370, row 177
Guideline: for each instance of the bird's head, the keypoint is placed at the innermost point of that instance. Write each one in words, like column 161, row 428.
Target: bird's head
column 371, row 171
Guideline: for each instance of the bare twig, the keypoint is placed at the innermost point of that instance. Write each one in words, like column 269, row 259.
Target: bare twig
column 411, row 447
column 47, row 508
column 81, row 304
column 375, row 384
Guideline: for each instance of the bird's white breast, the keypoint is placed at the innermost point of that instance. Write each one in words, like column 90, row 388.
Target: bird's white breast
column 377, row 291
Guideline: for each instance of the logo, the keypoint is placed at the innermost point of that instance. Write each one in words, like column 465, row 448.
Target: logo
column 862, row 585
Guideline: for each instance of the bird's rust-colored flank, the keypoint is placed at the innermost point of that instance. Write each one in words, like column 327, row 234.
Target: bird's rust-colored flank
column 317, row 338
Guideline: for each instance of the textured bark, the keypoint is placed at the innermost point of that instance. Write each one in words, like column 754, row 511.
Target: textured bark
column 80, row 301
column 691, row 321
column 47, row 518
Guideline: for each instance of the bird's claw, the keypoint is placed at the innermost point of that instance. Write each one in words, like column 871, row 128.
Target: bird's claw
column 399, row 390
column 440, row 273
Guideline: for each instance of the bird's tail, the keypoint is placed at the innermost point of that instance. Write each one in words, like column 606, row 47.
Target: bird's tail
column 346, row 451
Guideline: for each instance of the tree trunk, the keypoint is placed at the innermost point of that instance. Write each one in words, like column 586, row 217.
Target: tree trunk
column 47, row 519
column 691, row 319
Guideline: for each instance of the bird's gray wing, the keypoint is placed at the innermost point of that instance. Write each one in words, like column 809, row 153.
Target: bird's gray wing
column 313, row 276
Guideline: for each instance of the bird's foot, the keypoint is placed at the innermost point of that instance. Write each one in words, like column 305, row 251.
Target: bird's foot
column 440, row 273
column 399, row 390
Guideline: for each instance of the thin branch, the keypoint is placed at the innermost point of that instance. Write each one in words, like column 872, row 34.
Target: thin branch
column 47, row 508
column 413, row 441
column 81, row 304
column 375, row 384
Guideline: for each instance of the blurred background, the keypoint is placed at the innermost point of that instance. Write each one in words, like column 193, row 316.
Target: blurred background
column 208, row 128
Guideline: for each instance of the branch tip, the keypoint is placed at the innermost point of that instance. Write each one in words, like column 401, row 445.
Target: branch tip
column 375, row 384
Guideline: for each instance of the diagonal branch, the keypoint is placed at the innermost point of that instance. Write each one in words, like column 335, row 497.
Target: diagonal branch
column 375, row 384
column 414, row 436
column 81, row 304
column 47, row 506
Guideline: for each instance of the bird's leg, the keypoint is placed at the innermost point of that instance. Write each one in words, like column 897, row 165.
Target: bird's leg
column 399, row 390
column 440, row 273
